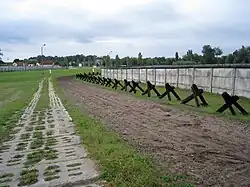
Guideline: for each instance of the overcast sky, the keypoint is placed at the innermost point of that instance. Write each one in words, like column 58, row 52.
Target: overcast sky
column 153, row 27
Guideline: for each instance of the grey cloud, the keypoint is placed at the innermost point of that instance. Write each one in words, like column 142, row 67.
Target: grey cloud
column 27, row 31
column 154, row 22
column 145, row 21
column 135, row 22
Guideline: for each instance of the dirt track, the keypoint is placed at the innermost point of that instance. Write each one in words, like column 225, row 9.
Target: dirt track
column 214, row 152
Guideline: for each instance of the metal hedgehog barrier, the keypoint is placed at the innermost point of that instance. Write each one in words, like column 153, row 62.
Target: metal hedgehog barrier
column 133, row 86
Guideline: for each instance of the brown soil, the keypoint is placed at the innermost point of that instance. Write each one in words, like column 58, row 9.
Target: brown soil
column 212, row 151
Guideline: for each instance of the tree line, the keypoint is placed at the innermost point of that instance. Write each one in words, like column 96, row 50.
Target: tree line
column 1, row 54
column 209, row 55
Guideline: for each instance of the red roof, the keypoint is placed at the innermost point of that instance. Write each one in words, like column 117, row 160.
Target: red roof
column 19, row 63
column 47, row 62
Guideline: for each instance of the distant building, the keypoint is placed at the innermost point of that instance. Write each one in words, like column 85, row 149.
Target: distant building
column 19, row 63
column 47, row 63
column 98, row 62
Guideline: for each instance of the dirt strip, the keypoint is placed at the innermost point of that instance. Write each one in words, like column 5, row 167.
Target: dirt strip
column 212, row 151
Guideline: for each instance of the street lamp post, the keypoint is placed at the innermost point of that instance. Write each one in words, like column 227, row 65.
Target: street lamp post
column 109, row 56
column 42, row 52
column 105, row 59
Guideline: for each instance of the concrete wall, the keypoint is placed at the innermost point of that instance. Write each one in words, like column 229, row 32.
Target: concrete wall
column 235, row 81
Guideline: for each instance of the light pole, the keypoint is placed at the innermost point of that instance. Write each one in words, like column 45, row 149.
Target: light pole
column 105, row 58
column 109, row 56
column 42, row 52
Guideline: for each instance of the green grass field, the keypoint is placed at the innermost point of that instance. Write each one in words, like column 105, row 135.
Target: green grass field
column 17, row 89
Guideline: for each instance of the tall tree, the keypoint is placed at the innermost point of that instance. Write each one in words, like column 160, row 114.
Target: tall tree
column 1, row 54
column 139, row 58
column 77, row 62
column 197, row 58
column 65, row 61
column 117, row 61
column 107, row 60
column 208, row 54
column 176, row 56
column 230, row 59
column 242, row 55
column 217, row 51
column 188, row 56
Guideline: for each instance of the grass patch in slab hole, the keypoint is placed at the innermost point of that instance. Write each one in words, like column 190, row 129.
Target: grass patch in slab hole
column 18, row 156
column 21, row 146
column 41, row 122
column 41, row 114
column 50, row 132
column 37, row 143
column 5, row 180
column 9, row 137
column 39, row 155
column 14, row 160
column 75, row 174
column 28, row 177
column 34, row 157
column 50, row 120
column 50, row 116
column 38, row 134
column 51, row 172
column 52, row 167
column 74, row 169
column 4, row 147
column 33, row 119
column 51, row 126
column 50, row 178
column 40, row 119
column 32, row 123
column 25, row 136
column 51, row 154
column 21, row 124
column 29, row 128
column 14, row 131
column 74, row 165
column 51, row 142
column 6, row 177
column 40, row 127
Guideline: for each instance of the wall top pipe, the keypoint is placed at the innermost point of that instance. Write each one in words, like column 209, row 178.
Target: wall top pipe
column 183, row 66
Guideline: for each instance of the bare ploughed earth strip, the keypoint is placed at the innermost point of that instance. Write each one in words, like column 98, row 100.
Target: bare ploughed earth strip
column 211, row 150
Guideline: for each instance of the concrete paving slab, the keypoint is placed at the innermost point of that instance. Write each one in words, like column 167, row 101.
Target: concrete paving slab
column 45, row 150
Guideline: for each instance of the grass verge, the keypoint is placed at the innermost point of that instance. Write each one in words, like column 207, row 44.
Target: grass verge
column 43, row 102
column 119, row 163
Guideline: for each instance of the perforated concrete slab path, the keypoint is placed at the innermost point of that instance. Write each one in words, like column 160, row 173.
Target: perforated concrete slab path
column 45, row 150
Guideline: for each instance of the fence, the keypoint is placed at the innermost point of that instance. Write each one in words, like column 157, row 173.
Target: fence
column 234, row 79
column 27, row 68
